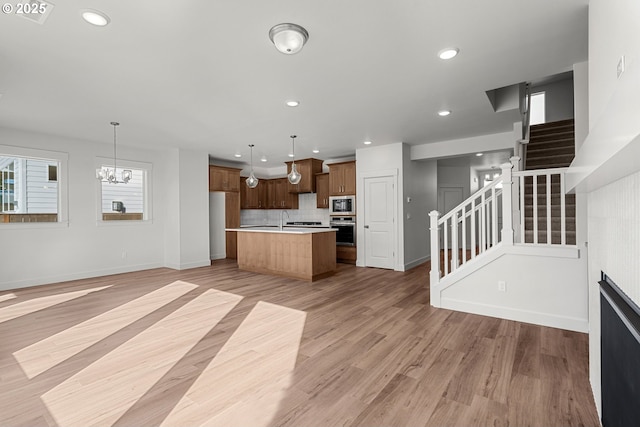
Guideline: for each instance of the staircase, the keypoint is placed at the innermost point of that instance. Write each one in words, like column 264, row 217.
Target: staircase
column 551, row 146
column 509, row 250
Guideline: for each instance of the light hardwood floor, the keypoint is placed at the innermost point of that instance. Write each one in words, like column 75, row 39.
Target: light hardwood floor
column 220, row 346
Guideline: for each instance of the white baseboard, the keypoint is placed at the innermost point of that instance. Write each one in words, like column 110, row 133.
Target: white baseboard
column 416, row 262
column 26, row 283
column 221, row 255
column 527, row 316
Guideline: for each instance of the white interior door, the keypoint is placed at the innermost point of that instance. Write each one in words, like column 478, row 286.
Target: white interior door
column 379, row 222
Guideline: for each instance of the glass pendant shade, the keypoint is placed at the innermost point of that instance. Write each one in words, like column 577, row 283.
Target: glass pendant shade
column 294, row 176
column 252, row 181
column 288, row 38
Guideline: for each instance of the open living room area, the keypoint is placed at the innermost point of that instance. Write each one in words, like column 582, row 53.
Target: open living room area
column 220, row 346
column 249, row 214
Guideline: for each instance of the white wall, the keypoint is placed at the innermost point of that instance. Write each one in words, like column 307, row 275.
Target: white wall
column 540, row 289
column 420, row 184
column 581, row 102
column 558, row 100
column 606, row 165
column 456, row 147
column 46, row 253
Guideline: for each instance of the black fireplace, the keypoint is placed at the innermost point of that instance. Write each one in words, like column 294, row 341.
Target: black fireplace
column 620, row 347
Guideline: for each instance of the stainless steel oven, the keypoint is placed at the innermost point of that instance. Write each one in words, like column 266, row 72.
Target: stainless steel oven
column 346, row 230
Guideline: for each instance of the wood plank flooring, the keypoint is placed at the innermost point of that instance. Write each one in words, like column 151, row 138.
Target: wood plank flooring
column 220, row 346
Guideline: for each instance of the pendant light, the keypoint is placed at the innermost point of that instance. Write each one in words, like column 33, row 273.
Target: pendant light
column 294, row 176
column 109, row 175
column 252, row 181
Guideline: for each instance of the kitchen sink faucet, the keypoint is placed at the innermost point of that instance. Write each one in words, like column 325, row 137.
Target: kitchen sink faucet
column 282, row 218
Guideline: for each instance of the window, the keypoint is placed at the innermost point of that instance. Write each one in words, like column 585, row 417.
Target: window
column 29, row 187
column 537, row 109
column 126, row 201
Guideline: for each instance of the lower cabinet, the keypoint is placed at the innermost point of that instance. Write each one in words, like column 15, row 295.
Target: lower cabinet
column 346, row 254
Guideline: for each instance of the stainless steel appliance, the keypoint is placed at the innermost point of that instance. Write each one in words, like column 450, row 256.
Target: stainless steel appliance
column 342, row 205
column 346, row 230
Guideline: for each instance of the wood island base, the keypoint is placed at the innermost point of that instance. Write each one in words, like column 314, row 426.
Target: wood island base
column 306, row 256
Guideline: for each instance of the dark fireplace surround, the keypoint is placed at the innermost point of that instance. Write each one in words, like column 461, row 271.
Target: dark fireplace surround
column 620, row 350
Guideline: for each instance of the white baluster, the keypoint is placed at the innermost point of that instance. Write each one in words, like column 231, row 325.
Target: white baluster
column 507, row 201
column 435, row 250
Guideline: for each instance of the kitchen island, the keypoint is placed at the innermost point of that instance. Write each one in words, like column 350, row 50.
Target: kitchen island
column 301, row 253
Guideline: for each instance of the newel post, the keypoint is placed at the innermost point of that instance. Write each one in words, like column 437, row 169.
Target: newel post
column 434, row 276
column 507, row 210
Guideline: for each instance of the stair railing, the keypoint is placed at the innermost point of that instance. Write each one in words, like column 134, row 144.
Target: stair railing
column 476, row 225
column 546, row 190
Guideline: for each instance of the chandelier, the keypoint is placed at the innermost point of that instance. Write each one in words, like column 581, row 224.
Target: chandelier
column 105, row 174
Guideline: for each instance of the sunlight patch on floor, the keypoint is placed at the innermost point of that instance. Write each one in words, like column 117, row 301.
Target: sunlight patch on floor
column 244, row 384
column 57, row 348
column 103, row 391
column 36, row 304
column 7, row 297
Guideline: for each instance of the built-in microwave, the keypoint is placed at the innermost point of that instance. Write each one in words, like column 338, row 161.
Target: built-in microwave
column 342, row 205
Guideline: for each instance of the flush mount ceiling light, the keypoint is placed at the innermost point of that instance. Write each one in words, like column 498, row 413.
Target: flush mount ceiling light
column 294, row 176
column 95, row 17
column 315, row 151
column 367, row 143
column 288, row 38
column 448, row 53
column 479, row 154
column 105, row 174
column 444, row 113
column 263, row 159
column 237, row 155
column 252, row 181
column 293, row 103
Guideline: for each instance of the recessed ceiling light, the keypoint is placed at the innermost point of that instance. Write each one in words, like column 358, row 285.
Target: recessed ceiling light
column 448, row 53
column 293, row 103
column 238, row 155
column 95, row 17
column 367, row 143
column 443, row 113
column 315, row 151
column 479, row 154
column 263, row 159
column 290, row 154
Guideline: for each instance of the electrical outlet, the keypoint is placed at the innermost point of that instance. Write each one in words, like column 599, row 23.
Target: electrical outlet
column 502, row 286
column 621, row 66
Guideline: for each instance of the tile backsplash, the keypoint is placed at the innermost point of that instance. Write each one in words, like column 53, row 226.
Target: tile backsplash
column 306, row 211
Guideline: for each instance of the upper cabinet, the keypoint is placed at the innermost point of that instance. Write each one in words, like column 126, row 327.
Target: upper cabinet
column 253, row 198
column 308, row 168
column 322, row 191
column 342, row 179
column 224, row 179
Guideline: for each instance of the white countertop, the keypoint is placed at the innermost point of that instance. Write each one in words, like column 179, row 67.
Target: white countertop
column 285, row 230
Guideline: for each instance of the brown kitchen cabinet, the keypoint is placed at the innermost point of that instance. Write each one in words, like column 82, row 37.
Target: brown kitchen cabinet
column 253, row 198
column 322, row 191
column 231, row 220
column 346, row 254
column 308, row 168
column 279, row 196
column 342, row 179
column 222, row 178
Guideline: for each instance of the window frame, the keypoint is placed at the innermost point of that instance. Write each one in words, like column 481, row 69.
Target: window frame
column 63, row 183
column 147, row 188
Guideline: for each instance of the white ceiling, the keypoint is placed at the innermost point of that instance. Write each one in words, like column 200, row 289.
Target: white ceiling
column 204, row 75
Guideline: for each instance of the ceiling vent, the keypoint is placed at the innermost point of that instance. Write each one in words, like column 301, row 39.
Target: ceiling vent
column 35, row 10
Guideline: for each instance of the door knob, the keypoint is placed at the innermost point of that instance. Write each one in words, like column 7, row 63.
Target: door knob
column 366, row 226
